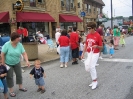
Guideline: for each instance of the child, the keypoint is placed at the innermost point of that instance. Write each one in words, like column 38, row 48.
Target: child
column 111, row 48
column 122, row 41
column 81, row 47
column 38, row 73
column 3, row 73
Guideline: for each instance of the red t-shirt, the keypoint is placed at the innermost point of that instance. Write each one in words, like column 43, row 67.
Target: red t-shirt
column 93, row 39
column 74, row 38
column 25, row 32
column 20, row 31
column 100, row 31
column 63, row 41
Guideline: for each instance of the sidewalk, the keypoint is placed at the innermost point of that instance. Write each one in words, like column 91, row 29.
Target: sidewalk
column 44, row 55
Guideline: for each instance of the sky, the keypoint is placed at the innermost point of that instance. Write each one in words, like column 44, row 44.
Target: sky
column 120, row 8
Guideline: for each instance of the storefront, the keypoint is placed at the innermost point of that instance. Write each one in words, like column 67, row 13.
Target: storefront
column 4, row 25
column 34, row 22
column 68, row 21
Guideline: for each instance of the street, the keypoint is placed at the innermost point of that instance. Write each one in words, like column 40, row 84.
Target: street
column 115, row 80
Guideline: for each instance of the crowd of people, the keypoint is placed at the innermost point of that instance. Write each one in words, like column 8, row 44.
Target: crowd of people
column 72, row 47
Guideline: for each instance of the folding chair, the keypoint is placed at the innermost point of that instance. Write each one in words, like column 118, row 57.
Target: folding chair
column 51, row 45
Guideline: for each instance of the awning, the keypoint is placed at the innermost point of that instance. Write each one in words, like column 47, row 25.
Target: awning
column 69, row 18
column 33, row 17
column 4, row 17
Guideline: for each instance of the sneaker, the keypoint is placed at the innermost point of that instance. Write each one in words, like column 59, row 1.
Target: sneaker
column 97, row 64
column 91, row 84
column 100, row 57
column 94, row 85
column 65, row 66
column 61, row 66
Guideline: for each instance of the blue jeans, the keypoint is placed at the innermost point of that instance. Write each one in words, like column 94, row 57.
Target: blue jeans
column 64, row 54
column 40, row 81
column 5, row 85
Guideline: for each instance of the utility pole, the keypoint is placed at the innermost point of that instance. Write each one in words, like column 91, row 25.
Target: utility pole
column 111, row 16
column 132, row 7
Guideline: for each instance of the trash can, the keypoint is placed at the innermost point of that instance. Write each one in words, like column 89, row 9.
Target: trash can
column 3, row 40
column 31, row 49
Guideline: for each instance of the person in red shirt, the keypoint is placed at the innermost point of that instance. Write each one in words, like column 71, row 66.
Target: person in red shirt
column 63, row 41
column 74, row 43
column 25, row 35
column 94, row 42
column 100, row 31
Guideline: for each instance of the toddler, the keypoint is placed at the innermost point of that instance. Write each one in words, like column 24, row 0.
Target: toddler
column 111, row 48
column 3, row 73
column 81, row 47
column 39, row 76
column 122, row 40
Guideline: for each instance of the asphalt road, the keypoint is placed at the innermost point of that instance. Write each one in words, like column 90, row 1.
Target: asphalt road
column 115, row 78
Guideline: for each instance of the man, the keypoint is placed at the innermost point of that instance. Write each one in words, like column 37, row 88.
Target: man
column 57, row 35
column 100, row 31
column 74, row 43
column 20, row 32
column 25, row 35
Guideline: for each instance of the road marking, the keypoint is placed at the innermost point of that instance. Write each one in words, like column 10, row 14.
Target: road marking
column 116, row 60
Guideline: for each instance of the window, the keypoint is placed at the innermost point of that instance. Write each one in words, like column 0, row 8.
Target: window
column 88, row 8
column 33, row 3
column 40, row 1
column 62, row 3
column 79, row 5
column 69, row 5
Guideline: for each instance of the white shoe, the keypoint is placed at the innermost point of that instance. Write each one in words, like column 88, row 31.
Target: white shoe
column 100, row 57
column 110, row 57
column 91, row 84
column 61, row 66
column 94, row 86
column 66, row 66
column 97, row 64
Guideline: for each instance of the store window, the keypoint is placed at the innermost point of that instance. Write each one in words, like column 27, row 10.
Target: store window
column 68, row 25
column 33, row 3
column 33, row 27
column 5, row 29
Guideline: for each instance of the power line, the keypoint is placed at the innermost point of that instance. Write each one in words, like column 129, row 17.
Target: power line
column 125, row 4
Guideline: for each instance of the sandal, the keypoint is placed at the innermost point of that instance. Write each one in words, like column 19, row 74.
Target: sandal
column 42, row 91
column 23, row 89
column 12, row 94
column 39, row 89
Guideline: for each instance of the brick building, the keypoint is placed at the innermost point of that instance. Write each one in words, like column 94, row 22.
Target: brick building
column 47, row 15
column 43, row 15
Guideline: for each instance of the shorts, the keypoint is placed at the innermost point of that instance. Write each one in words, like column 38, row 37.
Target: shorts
column 40, row 81
column 75, row 53
column 80, row 53
column 5, row 85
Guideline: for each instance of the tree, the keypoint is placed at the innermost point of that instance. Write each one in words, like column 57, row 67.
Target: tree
column 130, row 18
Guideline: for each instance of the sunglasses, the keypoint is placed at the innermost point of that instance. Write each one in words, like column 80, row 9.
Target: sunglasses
column 89, row 28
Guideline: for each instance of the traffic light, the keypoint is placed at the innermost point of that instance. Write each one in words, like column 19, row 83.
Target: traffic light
column 18, row 5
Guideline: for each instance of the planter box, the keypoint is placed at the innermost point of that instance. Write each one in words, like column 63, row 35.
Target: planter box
column 31, row 49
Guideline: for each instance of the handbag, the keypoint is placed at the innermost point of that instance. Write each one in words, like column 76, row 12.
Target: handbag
column 87, row 61
column 58, row 49
column 7, row 67
column 1, row 87
column 105, row 49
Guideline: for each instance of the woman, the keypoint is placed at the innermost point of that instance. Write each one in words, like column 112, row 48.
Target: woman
column 64, row 48
column 117, row 34
column 11, row 52
column 94, row 42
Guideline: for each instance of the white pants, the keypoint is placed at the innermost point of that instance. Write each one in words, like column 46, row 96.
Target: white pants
column 93, row 65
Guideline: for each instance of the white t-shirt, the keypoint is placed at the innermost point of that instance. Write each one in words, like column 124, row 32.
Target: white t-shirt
column 81, row 46
column 57, row 35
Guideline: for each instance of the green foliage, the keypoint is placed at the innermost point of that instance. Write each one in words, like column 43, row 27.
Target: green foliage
column 130, row 18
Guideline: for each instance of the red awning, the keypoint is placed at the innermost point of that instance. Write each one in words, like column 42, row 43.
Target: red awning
column 33, row 17
column 69, row 18
column 4, row 17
